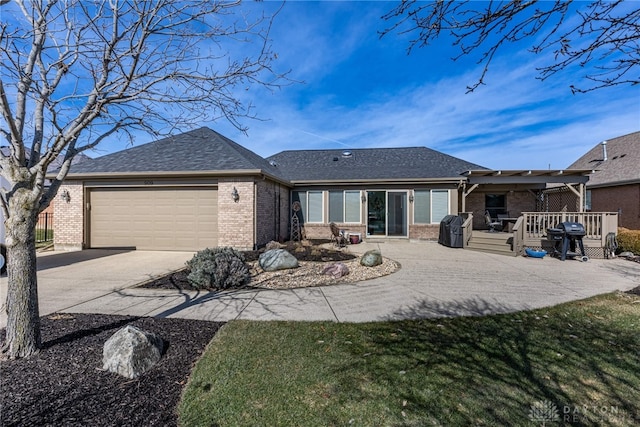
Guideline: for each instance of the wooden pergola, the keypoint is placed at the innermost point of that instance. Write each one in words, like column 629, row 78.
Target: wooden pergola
column 572, row 179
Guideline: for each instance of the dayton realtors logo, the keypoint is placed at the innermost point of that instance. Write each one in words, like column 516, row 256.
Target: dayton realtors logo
column 544, row 412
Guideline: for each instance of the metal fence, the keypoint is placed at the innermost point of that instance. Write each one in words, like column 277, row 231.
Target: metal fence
column 44, row 227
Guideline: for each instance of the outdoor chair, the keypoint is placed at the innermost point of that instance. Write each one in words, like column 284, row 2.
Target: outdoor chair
column 493, row 225
column 336, row 236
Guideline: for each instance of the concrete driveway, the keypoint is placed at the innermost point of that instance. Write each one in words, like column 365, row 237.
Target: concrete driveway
column 66, row 279
column 434, row 281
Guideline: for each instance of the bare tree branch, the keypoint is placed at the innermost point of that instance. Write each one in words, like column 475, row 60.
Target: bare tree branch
column 75, row 73
column 601, row 38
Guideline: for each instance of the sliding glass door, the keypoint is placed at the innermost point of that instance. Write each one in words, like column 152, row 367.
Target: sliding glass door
column 387, row 213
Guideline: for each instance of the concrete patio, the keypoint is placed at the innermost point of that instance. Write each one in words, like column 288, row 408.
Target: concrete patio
column 434, row 281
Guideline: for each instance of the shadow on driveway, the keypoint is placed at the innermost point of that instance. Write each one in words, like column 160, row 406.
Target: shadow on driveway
column 477, row 306
column 67, row 258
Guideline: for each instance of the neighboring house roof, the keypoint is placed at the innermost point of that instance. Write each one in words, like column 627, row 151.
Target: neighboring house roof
column 77, row 159
column 57, row 162
column 199, row 150
column 371, row 164
column 622, row 165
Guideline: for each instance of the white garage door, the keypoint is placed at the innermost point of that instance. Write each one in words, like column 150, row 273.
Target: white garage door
column 154, row 218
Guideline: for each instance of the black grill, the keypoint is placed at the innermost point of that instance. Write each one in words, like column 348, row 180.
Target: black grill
column 565, row 236
column 572, row 228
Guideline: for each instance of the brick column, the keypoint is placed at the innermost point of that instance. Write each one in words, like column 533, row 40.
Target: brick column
column 236, row 220
column 68, row 229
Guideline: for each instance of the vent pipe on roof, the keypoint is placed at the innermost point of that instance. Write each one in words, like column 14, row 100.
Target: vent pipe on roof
column 604, row 151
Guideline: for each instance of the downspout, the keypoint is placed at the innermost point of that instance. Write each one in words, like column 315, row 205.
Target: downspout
column 255, row 216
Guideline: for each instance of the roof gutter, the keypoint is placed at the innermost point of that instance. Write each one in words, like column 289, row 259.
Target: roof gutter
column 192, row 174
column 451, row 180
column 614, row 184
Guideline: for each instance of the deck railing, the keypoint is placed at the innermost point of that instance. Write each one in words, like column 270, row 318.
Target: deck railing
column 531, row 227
column 467, row 228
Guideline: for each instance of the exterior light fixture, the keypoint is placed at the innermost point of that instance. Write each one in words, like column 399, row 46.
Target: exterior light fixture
column 234, row 195
column 65, row 196
column 410, row 198
column 363, row 198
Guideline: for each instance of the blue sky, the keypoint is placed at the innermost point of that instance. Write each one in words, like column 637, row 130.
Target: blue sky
column 360, row 91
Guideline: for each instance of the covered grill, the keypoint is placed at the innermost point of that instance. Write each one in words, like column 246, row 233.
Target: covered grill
column 451, row 233
column 565, row 236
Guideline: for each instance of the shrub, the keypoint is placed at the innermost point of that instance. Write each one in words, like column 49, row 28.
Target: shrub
column 628, row 240
column 219, row 268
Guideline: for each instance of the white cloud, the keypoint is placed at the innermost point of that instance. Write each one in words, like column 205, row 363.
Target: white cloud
column 513, row 122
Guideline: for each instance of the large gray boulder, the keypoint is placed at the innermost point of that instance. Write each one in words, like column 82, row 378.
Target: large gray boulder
column 131, row 352
column 371, row 258
column 277, row 259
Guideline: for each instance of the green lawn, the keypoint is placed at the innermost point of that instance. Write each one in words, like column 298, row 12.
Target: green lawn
column 578, row 362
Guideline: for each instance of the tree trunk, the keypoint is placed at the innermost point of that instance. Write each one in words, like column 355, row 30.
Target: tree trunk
column 23, row 315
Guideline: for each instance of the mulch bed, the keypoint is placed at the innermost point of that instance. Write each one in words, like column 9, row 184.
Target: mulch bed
column 634, row 291
column 64, row 384
column 313, row 252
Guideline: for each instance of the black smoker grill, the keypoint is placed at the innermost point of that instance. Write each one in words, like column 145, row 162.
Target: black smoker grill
column 564, row 237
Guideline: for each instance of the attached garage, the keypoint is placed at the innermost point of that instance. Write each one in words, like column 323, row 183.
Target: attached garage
column 187, row 192
column 162, row 218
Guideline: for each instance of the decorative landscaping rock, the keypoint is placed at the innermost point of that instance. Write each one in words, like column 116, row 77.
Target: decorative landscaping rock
column 336, row 270
column 277, row 259
column 131, row 352
column 626, row 254
column 371, row 258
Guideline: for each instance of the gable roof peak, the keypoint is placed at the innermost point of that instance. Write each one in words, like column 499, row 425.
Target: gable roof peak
column 196, row 150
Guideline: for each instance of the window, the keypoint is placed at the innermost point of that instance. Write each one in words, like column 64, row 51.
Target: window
column 430, row 206
column 587, row 201
column 495, row 204
column 310, row 205
column 439, row 205
column 352, row 208
column 422, row 207
column 314, row 211
column 344, row 206
column 336, row 206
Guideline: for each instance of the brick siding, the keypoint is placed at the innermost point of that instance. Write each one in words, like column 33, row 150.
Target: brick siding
column 69, row 217
column 424, row 231
column 236, row 220
column 517, row 202
column 624, row 199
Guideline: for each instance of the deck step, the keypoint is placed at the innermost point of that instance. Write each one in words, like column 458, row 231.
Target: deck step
column 497, row 243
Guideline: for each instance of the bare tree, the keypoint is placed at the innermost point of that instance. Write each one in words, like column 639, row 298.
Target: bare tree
column 602, row 37
column 75, row 73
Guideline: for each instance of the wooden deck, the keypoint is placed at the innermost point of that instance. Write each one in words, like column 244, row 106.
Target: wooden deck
column 530, row 231
column 498, row 242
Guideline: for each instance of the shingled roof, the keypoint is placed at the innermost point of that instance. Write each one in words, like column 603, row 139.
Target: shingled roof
column 622, row 165
column 204, row 150
column 199, row 150
column 412, row 163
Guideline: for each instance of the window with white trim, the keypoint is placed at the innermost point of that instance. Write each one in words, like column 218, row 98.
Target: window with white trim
column 311, row 206
column 344, row 206
column 430, row 206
